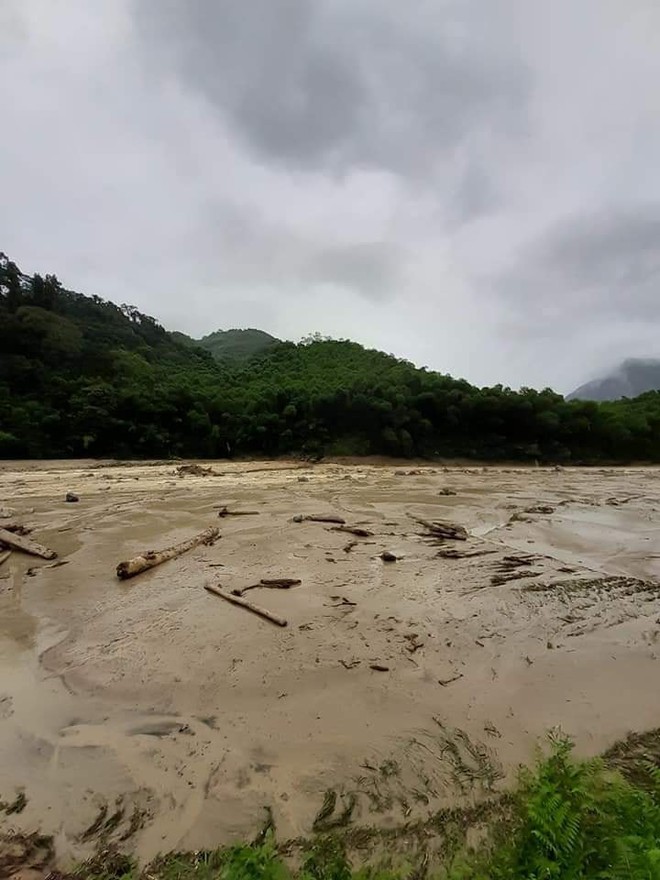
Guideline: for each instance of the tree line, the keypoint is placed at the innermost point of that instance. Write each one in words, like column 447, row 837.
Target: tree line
column 83, row 377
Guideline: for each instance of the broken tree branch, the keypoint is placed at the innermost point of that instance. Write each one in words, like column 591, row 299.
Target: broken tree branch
column 321, row 517
column 151, row 558
column 26, row 545
column 446, row 681
column 272, row 583
column 238, row 600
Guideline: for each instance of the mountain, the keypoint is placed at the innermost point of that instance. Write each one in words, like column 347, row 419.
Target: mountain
column 237, row 345
column 83, row 377
column 633, row 377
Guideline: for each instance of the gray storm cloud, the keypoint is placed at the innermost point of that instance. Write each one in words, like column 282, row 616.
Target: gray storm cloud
column 470, row 185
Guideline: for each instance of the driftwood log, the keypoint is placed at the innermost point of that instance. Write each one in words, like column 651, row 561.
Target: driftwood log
column 238, row 600
column 26, row 545
column 150, row 559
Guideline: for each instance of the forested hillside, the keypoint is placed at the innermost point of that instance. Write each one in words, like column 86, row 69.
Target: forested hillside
column 237, row 344
column 83, row 377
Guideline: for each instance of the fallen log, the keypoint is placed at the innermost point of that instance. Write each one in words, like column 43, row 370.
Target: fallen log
column 353, row 530
column 151, row 558
column 26, row 545
column 322, row 518
column 225, row 511
column 238, row 600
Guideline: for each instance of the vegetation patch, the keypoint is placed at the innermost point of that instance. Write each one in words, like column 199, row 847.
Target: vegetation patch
column 568, row 819
column 83, row 377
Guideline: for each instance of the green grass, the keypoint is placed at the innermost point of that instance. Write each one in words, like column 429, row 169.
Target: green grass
column 573, row 820
column 569, row 819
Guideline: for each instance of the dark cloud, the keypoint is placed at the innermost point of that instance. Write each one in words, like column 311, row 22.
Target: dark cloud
column 471, row 185
column 602, row 265
column 337, row 85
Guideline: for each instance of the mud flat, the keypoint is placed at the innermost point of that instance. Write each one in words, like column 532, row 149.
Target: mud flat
column 154, row 715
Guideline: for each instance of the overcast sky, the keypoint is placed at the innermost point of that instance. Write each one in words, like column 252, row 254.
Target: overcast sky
column 470, row 184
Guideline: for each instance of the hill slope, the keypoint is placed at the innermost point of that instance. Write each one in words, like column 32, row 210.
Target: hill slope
column 83, row 377
column 237, row 344
column 635, row 376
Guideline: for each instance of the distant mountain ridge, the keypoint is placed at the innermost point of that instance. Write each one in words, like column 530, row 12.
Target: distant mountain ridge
column 635, row 376
column 237, row 344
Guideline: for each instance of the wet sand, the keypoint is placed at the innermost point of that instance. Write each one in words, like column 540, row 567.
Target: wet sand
column 155, row 715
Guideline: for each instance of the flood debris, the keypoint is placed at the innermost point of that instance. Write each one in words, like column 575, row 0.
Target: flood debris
column 509, row 569
column 250, row 606
column 151, row 558
column 26, row 545
column 341, row 601
column 194, row 470
column 414, row 643
column 452, row 553
column 353, row 530
column 32, row 572
column 17, row 528
column 444, row 682
column 225, row 511
column 269, row 583
column 320, row 518
column 441, row 530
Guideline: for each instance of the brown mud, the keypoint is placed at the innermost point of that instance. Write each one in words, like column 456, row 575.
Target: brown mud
column 154, row 716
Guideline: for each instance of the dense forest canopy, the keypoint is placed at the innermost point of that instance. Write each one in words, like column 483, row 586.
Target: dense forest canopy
column 80, row 376
column 237, row 344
